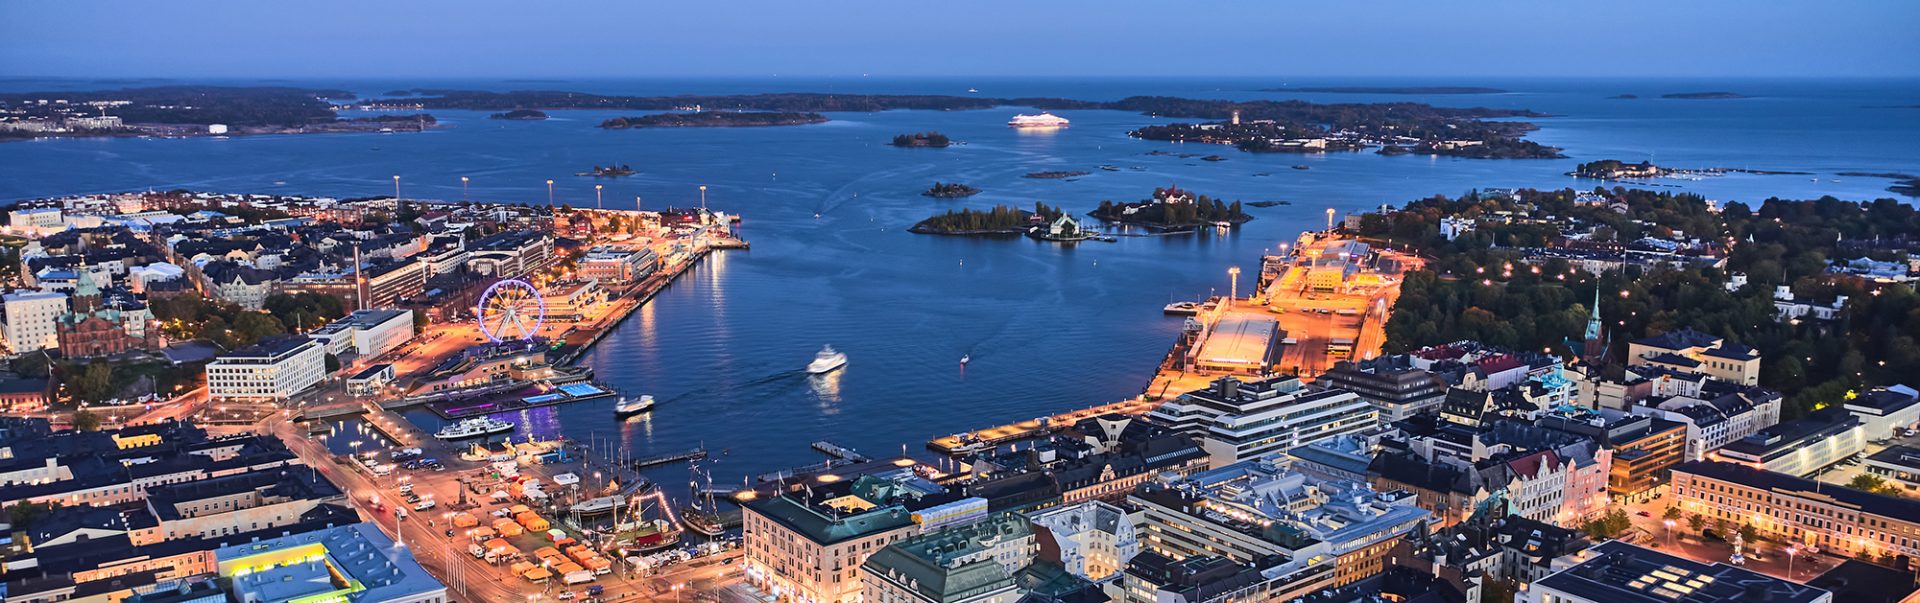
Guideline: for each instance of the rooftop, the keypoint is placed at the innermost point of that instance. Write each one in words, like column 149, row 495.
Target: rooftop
column 1902, row 508
column 1618, row 572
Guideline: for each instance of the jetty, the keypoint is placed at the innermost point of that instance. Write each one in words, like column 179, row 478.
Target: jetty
column 669, row 458
column 840, row 452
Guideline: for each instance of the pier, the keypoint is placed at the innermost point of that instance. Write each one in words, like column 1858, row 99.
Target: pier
column 839, row 452
column 991, row 437
column 669, row 458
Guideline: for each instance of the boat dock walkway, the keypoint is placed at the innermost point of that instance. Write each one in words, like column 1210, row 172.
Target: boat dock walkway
column 839, row 452
column 671, row 457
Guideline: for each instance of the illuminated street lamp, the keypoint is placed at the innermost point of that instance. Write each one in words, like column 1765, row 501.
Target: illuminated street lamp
column 1791, row 551
column 1233, row 289
column 596, row 197
column 1669, row 532
column 703, row 202
column 396, row 187
column 463, row 188
column 1329, row 220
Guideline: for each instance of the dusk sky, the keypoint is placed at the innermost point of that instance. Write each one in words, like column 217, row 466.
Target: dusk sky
column 391, row 38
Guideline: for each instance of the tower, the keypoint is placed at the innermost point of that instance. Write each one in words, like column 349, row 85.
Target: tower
column 1594, row 351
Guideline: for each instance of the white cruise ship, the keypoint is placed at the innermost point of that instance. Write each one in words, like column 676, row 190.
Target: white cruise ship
column 1043, row 120
column 826, row 361
column 473, row 428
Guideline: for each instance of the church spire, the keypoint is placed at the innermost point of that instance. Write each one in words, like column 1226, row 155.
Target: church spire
column 1593, row 318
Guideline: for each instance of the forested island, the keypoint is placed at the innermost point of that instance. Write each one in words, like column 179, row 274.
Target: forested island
column 715, row 119
column 1398, row 128
column 1172, row 209
column 934, row 140
column 1001, row 220
column 1614, row 169
column 178, row 111
column 1392, row 89
column 1905, row 184
column 521, row 115
column 1703, row 95
column 950, row 190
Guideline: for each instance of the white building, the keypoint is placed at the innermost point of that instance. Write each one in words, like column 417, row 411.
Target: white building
column 37, row 222
column 274, row 370
column 30, row 318
column 1235, row 421
column 1802, row 446
column 368, row 333
column 1093, row 539
column 1716, row 423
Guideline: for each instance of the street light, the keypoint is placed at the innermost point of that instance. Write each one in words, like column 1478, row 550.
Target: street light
column 596, row 197
column 703, row 197
column 1233, row 289
column 463, row 188
column 1669, row 532
column 396, row 187
column 1791, row 551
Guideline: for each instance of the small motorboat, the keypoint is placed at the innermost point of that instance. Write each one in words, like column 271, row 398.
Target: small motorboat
column 965, row 358
column 826, row 361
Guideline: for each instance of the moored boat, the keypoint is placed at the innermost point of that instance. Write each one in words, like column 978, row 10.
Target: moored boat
column 473, row 428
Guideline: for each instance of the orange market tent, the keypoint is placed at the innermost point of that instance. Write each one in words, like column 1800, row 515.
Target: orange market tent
column 567, row 567
column 537, row 574
column 534, row 522
column 482, row 533
column 499, row 545
column 598, row 563
column 464, row 519
column 517, row 509
column 522, row 567
column 508, row 528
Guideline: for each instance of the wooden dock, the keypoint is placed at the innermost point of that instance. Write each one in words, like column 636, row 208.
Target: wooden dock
column 839, row 452
column 669, row 458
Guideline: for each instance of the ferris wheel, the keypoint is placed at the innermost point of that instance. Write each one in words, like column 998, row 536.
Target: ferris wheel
column 511, row 310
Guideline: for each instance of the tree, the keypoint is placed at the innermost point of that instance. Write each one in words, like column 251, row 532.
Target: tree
column 1697, row 523
column 1611, row 525
column 85, row 420
column 254, row 326
column 333, row 363
column 1749, row 534
column 1671, row 513
column 23, row 514
column 94, row 384
column 1868, row 482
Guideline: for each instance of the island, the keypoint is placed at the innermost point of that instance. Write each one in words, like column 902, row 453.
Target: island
column 1055, row 175
column 1269, row 203
column 1903, row 183
column 950, row 190
column 1613, row 169
column 1703, row 95
column 715, row 119
column 520, row 115
column 1173, row 209
column 609, row 171
column 184, row 111
column 1399, row 128
column 999, row 221
column 929, row 140
column 1392, row 89
column 1624, row 96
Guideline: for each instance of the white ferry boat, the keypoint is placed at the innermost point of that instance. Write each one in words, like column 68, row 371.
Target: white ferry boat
column 473, row 428
column 1043, row 120
column 826, row 361
column 628, row 407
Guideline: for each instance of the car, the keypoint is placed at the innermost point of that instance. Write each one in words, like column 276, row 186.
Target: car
column 1645, row 514
column 424, row 505
column 449, row 532
column 564, row 595
column 595, row 590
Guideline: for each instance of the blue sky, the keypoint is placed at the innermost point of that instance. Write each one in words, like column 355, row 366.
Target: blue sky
column 755, row 38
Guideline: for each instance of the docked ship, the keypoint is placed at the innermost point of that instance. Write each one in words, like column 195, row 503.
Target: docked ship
column 597, row 506
column 826, row 361
column 628, row 407
column 473, row 428
column 1043, row 120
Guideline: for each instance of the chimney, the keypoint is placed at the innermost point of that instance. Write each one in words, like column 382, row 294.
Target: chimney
column 1229, row 388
